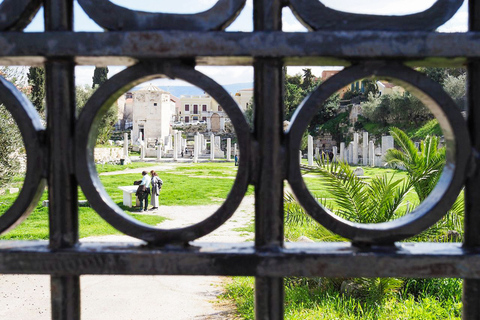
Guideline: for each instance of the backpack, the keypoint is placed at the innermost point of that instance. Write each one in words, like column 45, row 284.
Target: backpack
column 159, row 183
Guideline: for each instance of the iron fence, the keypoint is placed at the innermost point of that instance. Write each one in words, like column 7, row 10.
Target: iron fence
column 61, row 154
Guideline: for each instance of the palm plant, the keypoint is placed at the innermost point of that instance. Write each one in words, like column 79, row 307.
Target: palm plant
column 354, row 199
column 424, row 168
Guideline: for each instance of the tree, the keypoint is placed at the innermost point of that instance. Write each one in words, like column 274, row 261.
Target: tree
column 294, row 94
column 326, row 113
column 99, row 76
column 36, row 79
column 371, row 87
column 403, row 110
column 456, row 87
column 82, row 94
column 309, row 81
column 11, row 145
column 250, row 113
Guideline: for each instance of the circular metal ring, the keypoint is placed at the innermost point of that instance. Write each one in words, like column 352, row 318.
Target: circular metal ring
column 31, row 128
column 17, row 14
column 87, row 128
column 451, row 181
column 316, row 16
column 114, row 18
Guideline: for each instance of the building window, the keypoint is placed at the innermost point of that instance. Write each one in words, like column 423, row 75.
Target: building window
column 204, row 118
column 220, row 108
column 187, row 119
column 195, row 108
column 129, row 95
column 187, row 107
column 204, row 108
column 154, row 104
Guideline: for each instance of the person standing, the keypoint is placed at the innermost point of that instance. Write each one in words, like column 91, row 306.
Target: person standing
column 156, row 187
column 236, row 160
column 143, row 191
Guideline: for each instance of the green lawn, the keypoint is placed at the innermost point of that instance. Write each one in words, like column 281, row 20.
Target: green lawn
column 312, row 300
column 185, row 185
column 116, row 167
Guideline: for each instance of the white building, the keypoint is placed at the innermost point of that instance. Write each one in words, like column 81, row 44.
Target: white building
column 205, row 109
column 385, row 87
column 151, row 111
column 244, row 98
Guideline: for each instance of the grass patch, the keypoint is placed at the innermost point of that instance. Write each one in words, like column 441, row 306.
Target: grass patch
column 116, row 167
column 249, row 228
column 35, row 227
column 310, row 300
column 178, row 190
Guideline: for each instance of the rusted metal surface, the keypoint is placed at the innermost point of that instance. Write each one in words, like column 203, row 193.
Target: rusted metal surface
column 309, row 260
column 62, row 184
column 116, row 18
column 315, row 48
column 171, row 45
column 471, row 286
column 316, row 16
column 33, row 134
column 17, row 14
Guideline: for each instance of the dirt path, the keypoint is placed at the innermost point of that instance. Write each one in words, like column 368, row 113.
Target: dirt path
column 137, row 297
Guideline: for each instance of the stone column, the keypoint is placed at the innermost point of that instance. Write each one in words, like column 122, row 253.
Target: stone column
column 310, row 150
column 159, row 152
column 180, row 142
column 317, row 153
column 371, row 153
column 169, row 142
column 342, row 152
column 175, row 145
column 334, row 150
column 125, row 145
column 355, row 149
column 142, row 150
column 195, row 148
column 350, row 153
column 235, row 150
column 387, row 143
column 229, row 149
column 218, row 143
column 212, row 147
column 300, row 155
column 365, row 149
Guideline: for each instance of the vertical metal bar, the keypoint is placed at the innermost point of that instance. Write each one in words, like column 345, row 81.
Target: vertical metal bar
column 268, row 95
column 471, row 287
column 62, row 185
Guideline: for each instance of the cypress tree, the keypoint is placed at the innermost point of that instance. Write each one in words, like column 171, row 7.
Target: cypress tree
column 36, row 79
column 99, row 76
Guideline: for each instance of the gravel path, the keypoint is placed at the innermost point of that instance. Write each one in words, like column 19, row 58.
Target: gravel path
column 137, row 297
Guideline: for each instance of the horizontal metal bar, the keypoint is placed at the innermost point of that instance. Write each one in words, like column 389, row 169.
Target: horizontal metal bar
column 308, row 260
column 312, row 48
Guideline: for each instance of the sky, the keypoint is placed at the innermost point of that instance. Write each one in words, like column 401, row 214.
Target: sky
column 235, row 74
